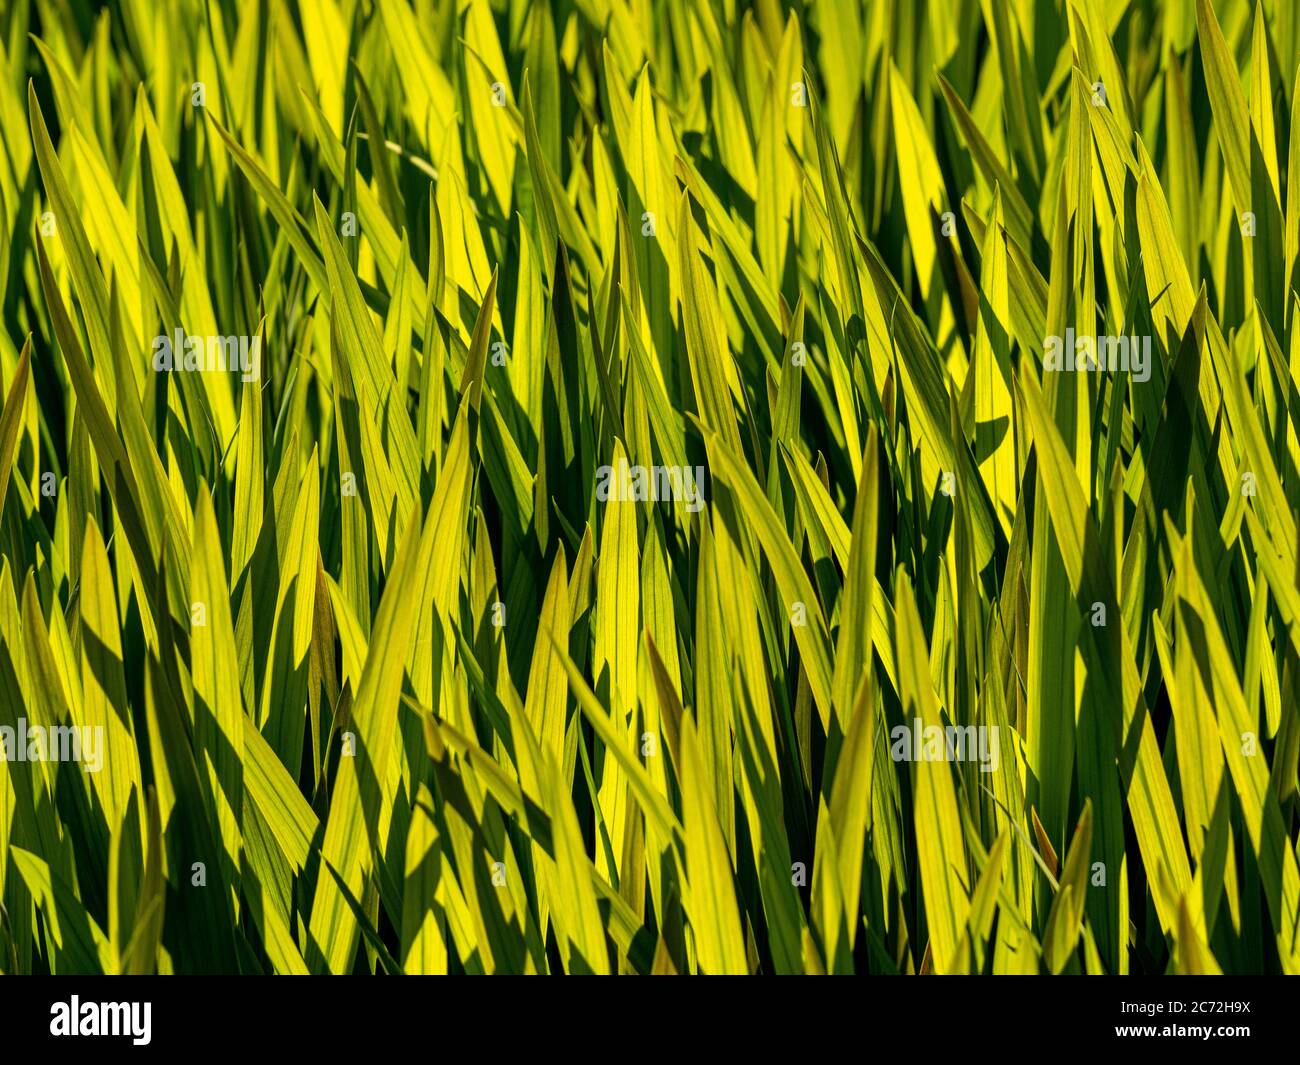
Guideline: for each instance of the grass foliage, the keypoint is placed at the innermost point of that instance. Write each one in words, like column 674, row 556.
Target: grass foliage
column 384, row 686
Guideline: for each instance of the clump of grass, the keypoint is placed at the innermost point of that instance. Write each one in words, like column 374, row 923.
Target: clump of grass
column 649, row 488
